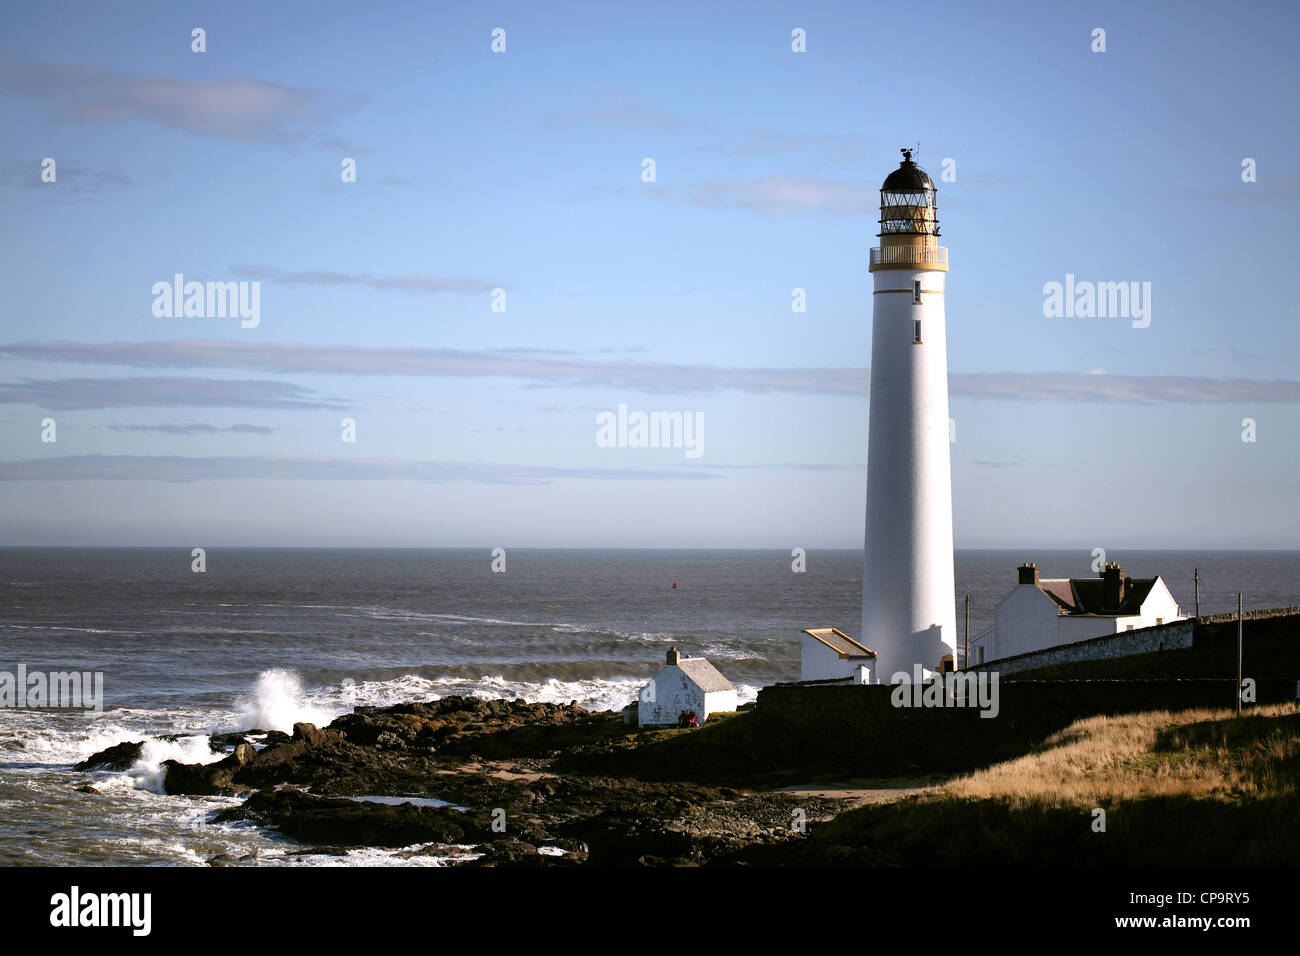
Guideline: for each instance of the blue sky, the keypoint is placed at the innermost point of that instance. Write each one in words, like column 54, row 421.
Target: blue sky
column 522, row 170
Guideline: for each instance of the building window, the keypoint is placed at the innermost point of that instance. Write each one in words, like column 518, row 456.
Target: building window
column 916, row 292
column 917, row 339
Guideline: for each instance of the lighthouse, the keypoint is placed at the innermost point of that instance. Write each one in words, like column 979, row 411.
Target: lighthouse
column 908, row 605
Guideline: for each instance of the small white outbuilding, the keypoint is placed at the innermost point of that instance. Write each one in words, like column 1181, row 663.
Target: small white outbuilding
column 686, row 685
column 828, row 653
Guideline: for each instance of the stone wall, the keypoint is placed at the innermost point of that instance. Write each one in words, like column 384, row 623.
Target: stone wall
column 1271, row 638
column 1148, row 640
column 859, row 726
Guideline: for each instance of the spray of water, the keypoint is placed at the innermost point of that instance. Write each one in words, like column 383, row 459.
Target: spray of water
column 277, row 702
column 148, row 771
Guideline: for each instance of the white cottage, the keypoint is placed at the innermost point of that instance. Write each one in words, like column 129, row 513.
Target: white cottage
column 1053, row 611
column 828, row 653
column 686, row 685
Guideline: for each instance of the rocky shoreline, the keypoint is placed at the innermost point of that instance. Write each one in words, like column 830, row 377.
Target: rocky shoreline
column 476, row 782
column 507, row 782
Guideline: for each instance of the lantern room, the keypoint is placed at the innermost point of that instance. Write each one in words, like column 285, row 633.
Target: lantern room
column 907, row 202
column 909, row 221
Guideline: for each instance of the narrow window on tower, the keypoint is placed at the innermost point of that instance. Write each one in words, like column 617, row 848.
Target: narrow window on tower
column 917, row 340
column 916, row 292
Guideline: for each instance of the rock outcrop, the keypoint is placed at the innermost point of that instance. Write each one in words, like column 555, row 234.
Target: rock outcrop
column 501, row 764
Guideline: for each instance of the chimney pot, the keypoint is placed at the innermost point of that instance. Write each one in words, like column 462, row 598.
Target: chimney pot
column 1028, row 573
column 673, row 656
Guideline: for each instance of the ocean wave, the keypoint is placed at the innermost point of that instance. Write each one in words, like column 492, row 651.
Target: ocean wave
column 61, row 627
column 381, row 613
column 419, row 854
column 596, row 694
column 277, row 702
column 148, row 772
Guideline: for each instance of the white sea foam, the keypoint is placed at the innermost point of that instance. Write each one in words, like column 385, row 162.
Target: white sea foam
column 416, row 855
column 593, row 693
column 277, row 701
column 147, row 773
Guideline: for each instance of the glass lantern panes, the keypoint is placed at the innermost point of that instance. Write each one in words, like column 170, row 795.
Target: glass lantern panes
column 908, row 211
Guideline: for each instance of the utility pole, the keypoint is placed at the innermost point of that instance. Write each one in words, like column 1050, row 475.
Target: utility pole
column 1238, row 653
column 967, row 632
column 1196, row 577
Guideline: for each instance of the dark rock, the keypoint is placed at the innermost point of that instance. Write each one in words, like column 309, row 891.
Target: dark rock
column 511, row 853
column 232, row 859
column 265, row 738
column 564, row 777
column 193, row 779
column 322, row 820
column 86, row 788
column 308, row 734
column 118, row 757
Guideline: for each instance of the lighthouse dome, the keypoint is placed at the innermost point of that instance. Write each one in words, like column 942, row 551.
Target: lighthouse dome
column 907, row 177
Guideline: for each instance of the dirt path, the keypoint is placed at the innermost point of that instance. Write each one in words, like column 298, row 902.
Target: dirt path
column 861, row 792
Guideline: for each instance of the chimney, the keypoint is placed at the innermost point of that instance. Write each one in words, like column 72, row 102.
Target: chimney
column 1112, row 587
column 673, row 656
column 1028, row 573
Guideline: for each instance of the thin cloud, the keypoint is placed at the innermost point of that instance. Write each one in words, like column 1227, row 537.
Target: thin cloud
column 244, row 109
column 418, row 282
column 543, row 369
column 70, row 175
column 1249, row 194
column 620, row 109
column 198, row 428
column 844, row 150
column 184, row 469
column 791, row 466
column 537, row 367
column 85, row 393
column 1098, row 386
column 779, row 196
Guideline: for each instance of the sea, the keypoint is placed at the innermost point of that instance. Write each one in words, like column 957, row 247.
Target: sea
column 261, row 638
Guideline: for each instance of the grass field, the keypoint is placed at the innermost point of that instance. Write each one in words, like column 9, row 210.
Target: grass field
column 1196, row 787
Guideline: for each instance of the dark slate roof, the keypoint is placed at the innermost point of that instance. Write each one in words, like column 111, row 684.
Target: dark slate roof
column 1059, row 590
column 839, row 642
column 1088, row 595
column 704, row 675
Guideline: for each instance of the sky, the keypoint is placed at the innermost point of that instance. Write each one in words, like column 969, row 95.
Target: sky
column 501, row 273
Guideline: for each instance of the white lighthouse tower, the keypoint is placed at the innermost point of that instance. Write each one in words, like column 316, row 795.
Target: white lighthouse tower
column 908, row 606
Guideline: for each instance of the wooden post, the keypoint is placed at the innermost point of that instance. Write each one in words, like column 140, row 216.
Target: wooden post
column 1196, row 578
column 1238, row 653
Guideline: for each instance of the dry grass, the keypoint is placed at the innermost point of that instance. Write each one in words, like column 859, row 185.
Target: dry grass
column 1189, row 788
column 1202, row 754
